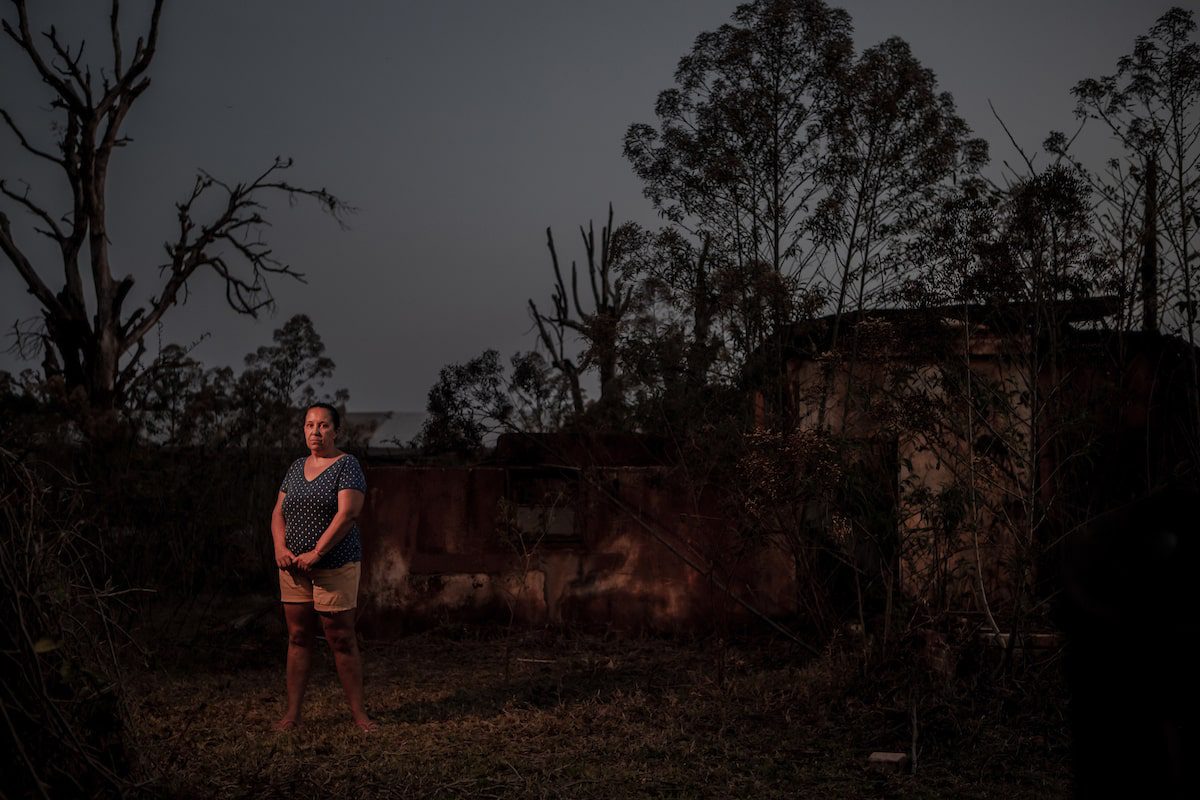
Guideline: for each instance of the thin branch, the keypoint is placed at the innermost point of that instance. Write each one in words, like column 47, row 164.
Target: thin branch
column 116, row 39
column 71, row 69
column 25, row 142
column 54, row 231
column 1024, row 157
column 192, row 250
column 24, row 39
column 35, row 284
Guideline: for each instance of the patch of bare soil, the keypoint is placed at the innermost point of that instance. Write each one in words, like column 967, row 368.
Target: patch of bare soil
column 584, row 717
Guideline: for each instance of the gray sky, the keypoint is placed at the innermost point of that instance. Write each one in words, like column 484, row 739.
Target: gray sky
column 461, row 129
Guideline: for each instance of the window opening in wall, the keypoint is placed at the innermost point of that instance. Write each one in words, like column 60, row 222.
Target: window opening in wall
column 541, row 506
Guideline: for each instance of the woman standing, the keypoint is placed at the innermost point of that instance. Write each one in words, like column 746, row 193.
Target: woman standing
column 318, row 550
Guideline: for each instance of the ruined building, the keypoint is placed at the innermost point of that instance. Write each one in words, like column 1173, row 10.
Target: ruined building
column 968, row 441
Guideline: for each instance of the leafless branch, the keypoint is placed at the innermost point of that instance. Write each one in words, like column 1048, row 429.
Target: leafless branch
column 70, row 64
column 24, row 40
column 12, row 125
column 1020, row 150
column 18, row 259
column 116, row 38
column 53, row 232
column 234, row 227
column 28, row 337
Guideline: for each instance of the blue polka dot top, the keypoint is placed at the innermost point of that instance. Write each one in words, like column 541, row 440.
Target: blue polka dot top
column 310, row 507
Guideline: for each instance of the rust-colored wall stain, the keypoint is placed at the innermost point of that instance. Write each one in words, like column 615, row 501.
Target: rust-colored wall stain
column 436, row 549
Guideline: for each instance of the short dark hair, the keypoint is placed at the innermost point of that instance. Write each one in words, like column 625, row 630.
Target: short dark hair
column 333, row 412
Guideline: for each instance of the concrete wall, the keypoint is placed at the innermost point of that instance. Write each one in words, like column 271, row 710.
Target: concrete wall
column 1108, row 420
column 443, row 544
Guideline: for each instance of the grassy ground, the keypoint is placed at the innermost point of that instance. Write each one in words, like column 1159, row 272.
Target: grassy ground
column 584, row 717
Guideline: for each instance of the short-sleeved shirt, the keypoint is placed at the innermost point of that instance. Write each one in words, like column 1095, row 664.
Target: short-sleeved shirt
column 310, row 507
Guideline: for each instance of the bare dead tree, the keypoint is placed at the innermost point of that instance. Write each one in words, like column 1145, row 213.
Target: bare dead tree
column 95, row 344
column 598, row 328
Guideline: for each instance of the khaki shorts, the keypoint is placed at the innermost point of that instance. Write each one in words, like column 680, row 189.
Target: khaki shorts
column 327, row 589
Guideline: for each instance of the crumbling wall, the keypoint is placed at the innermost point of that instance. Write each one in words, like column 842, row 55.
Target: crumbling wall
column 985, row 496
column 438, row 547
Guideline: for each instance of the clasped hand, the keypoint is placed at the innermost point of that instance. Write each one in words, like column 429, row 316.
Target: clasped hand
column 284, row 559
column 305, row 562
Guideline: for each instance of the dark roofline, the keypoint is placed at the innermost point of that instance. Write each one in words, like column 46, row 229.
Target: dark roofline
column 923, row 329
column 808, row 336
column 1084, row 309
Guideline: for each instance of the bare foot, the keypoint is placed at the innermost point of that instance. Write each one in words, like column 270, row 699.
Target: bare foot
column 365, row 725
column 286, row 724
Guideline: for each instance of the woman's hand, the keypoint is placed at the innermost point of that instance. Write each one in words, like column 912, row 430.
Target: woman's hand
column 284, row 559
column 306, row 561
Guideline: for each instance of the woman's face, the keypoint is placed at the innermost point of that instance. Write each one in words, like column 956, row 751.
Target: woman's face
column 319, row 432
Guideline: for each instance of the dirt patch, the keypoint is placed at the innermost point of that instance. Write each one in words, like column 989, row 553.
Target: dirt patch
column 585, row 717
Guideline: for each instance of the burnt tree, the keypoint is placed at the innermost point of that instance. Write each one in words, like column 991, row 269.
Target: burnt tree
column 599, row 328
column 89, row 337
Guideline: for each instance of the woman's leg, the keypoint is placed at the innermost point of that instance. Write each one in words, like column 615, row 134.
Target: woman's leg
column 339, row 632
column 300, row 625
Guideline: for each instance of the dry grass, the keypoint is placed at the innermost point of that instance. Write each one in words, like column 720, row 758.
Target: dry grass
column 579, row 717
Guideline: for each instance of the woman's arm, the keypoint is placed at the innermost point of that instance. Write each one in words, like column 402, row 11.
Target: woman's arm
column 350, row 503
column 283, row 557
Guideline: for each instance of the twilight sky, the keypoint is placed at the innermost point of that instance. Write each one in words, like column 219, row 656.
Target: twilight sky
column 460, row 129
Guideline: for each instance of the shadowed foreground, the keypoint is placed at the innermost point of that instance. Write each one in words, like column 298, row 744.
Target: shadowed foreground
column 585, row 717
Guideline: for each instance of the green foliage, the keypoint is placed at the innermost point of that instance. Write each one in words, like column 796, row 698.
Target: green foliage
column 790, row 172
column 474, row 401
column 787, row 155
column 467, row 403
column 1042, row 248
column 897, row 148
column 1151, row 106
column 177, row 402
column 742, row 135
column 1031, row 244
column 280, row 380
column 537, row 395
column 1154, row 87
